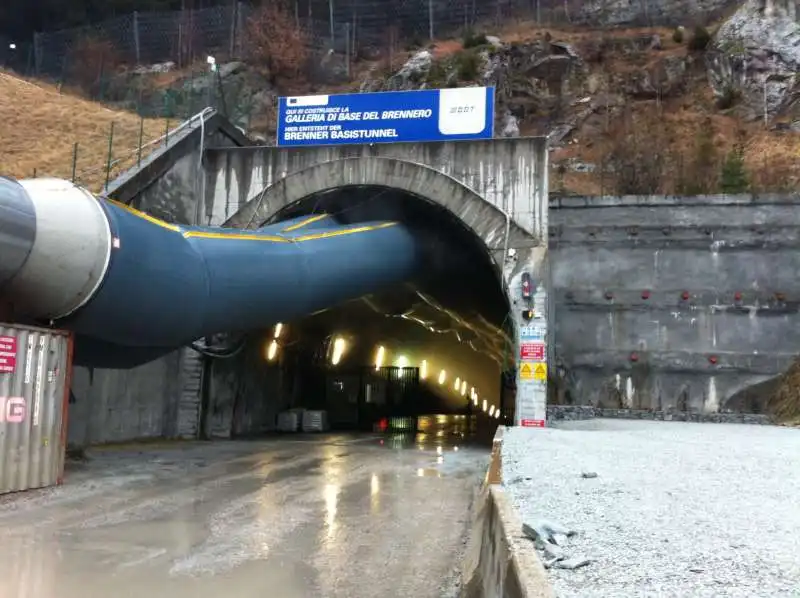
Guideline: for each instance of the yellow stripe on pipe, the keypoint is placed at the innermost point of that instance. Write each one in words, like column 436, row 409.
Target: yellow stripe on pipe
column 274, row 239
column 305, row 222
column 348, row 231
column 144, row 216
column 197, row 234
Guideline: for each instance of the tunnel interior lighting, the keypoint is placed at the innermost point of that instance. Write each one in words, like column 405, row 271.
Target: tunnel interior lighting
column 402, row 362
column 491, row 411
column 457, row 384
column 379, row 356
column 272, row 350
column 423, row 370
column 497, row 414
column 475, row 399
column 442, row 377
column 339, row 347
column 485, row 404
column 463, row 388
column 278, row 330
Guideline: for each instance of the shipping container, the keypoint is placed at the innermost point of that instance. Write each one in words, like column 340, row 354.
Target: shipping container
column 35, row 372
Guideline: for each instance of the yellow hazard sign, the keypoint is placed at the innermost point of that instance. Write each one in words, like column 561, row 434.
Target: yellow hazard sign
column 533, row 371
column 526, row 371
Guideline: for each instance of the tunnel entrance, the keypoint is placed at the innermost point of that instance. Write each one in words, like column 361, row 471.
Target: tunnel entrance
column 438, row 343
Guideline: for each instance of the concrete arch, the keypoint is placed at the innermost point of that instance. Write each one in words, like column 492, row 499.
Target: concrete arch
column 493, row 226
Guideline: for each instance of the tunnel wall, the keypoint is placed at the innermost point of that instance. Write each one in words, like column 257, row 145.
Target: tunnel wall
column 245, row 395
column 511, row 174
column 119, row 405
column 645, row 292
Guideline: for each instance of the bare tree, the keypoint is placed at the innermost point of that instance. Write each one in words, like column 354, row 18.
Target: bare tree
column 276, row 43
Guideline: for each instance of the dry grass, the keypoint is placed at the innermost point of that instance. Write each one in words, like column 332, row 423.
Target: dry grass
column 784, row 405
column 41, row 126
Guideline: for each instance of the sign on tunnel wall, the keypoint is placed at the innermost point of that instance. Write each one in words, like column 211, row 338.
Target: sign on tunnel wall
column 387, row 117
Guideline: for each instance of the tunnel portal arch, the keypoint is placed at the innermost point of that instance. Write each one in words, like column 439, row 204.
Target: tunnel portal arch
column 495, row 228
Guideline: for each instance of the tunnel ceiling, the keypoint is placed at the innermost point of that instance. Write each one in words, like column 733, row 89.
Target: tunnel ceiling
column 457, row 296
column 453, row 315
column 460, row 280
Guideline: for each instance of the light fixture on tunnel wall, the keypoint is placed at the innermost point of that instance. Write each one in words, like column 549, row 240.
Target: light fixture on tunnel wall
column 402, row 362
column 527, row 314
column 485, row 404
column 423, row 370
column 272, row 350
column 457, row 384
column 527, row 289
column 442, row 377
column 278, row 330
column 497, row 414
column 379, row 355
column 491, row 411
column 464, row 388
column 339, row 347
column 475, row 399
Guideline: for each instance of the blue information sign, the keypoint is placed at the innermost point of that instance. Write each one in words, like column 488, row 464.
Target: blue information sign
column 387, row 117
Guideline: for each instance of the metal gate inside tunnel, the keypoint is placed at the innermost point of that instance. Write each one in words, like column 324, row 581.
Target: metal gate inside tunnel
column 357, row 398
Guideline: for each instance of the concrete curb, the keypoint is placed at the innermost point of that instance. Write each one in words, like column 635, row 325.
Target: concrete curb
column 500, row 561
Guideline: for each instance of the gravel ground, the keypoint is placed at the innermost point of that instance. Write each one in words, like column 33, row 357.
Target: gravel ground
column 676, row 510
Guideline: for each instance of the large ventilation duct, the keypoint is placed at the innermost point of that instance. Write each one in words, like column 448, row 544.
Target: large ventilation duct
column 122, row 278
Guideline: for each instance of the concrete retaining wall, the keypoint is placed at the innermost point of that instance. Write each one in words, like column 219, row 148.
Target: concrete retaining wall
column 572, row 413
column 673, row 303
column 500, row 561
column 120, row 405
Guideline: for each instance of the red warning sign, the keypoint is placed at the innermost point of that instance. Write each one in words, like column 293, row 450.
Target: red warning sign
column 8, row 354
column 531, row 351
column 532, row 423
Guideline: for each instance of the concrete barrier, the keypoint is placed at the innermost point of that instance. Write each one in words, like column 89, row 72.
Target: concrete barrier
column 500, row 562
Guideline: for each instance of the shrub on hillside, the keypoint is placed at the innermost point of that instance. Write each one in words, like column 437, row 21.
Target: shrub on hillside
column 474, row 40
column 90, row 64
column 468, row 65
column 733, row 178
column 700, row 39
column 677, row 35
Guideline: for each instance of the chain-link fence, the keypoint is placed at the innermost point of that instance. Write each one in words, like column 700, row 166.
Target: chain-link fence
column 340, row 25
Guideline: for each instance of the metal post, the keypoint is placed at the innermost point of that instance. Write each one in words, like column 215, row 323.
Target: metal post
column 234, row 8
column 239, row 26
column 141, row 139
column 136, row 46
column 37, row 54
column 430, row 20
column 191, row 93
column 74, row 160
column 108, row 159
column 166, row 132
column 347, row 49
column 330, row 18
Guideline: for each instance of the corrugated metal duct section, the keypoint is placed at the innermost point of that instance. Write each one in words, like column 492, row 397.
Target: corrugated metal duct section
column 35, row 367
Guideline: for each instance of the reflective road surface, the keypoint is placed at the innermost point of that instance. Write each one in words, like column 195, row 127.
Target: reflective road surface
column 335, row 515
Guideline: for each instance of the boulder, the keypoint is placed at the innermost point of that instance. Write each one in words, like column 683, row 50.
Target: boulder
column 756, row 56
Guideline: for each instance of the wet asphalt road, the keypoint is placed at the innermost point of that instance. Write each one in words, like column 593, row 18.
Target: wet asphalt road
column 333, row 516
